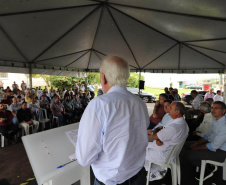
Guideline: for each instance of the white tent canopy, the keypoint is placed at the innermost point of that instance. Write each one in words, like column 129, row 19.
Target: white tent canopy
column 63, row 37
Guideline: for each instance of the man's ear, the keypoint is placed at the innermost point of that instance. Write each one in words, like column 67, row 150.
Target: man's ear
column 105, row 79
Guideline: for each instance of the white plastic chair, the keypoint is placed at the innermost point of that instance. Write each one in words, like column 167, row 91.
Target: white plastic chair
column 2, row 140
column 23, row 131
column 42, row 117
column 56, row 120
column 175, row 167
column 203, row 166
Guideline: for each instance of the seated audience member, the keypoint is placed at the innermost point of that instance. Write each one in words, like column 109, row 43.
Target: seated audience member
column 82, row 88
column 158, row 111
column 195, row 105
column 165, row 120
column 20, row 94
column 45, row 94
column 6, row 124
column 91, row 88
column 51, row 91
column 14, row 85
column 76, row 88
column 33, row 106
column 71, row 91
column 28, row 97
column 201, row 125
column 88, row 95
column 84, row 101
column 6, row 100
column 68, row 106
column 210, row 100
column 19, row 100
column 58, row 110
column 25, row 119
column 77, row 105
column 165, row 138
column 16, row 90
column 209, row 94
column 14, row 107
column 211, row 146
column 177, row 96
column 44, row 103
column 166, row 91
column 218, row 96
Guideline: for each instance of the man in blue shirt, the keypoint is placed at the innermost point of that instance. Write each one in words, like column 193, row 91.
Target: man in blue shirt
column 211, row 146
column 91, row 89
column 112, row 135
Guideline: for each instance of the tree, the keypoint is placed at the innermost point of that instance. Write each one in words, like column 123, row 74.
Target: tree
column 93, row 78
column 133, row 80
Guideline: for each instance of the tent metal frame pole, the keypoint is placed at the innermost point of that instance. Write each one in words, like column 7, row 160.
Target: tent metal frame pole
column 120, row 31
column 30, row 76
column 139, row 81
column 203, row 54
column 205, row 40
column 67, row 32
column 169, row 12
column 205, row 48
column 46, row 10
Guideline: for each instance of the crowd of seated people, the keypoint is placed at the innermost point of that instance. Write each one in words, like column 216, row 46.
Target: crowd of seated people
column 205, row 135
column 19, row 107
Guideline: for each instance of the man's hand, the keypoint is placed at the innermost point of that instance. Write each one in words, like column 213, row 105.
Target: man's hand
column 157, row 130
column 149, row 132
column 159, row 143
column 155, row 115
column 2, row 119
column 30, row 122
column 157, row 103
column 14, row 114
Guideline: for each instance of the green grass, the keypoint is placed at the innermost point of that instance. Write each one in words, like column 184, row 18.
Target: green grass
column 158, row 90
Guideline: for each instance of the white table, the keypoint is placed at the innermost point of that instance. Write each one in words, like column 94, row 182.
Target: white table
column 49, row 149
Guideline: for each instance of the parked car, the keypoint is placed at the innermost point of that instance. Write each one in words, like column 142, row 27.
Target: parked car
column 146, row 97
column 186, row 97
column 193, row 87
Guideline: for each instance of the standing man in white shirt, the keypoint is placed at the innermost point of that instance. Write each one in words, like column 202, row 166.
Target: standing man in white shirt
column 195, row 105
column 209, row 94
column 112, row 135
column 218, row 96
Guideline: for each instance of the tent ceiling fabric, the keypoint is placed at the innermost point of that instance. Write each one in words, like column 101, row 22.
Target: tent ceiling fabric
column 64, row 37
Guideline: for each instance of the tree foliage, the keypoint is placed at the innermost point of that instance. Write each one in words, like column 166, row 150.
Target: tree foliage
column 133, row 80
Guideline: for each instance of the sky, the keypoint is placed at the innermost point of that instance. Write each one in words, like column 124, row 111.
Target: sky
column 164, row 79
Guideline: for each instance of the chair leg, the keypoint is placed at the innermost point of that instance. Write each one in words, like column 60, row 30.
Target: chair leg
column 203, row 166
column 174, row 174
column 148, row 174
column 178, row 170
column 2, row 140
column 224, row 171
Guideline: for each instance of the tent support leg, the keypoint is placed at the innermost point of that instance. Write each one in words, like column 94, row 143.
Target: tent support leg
column 30, row 76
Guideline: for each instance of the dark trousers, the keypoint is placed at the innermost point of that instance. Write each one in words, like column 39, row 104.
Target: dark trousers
column 60, row 118
column 151, row 125
column 138, row 179
column 195, row 156
column 4, row 130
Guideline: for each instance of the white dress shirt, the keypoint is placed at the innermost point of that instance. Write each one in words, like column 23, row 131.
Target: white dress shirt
column 112, row 136
column 218, row 98
column 196, row 102
column 206, row 124
column 174, row 132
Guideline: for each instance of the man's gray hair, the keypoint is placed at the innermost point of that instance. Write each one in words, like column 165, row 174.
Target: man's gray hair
column 116, row 71
column 180, row 106
column 205, row 106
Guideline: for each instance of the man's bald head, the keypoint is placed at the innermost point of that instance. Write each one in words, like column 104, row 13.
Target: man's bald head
column 116, row 71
